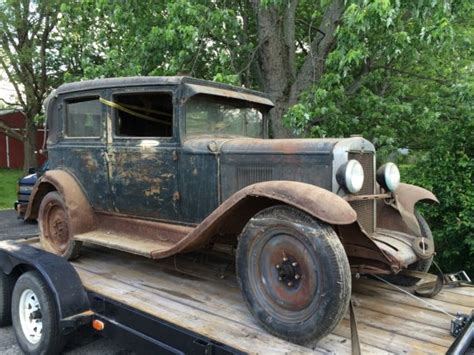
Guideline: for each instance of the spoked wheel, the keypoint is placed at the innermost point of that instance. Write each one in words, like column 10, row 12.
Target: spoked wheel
column 35, row 316
column 293, row 273
column 56, row 236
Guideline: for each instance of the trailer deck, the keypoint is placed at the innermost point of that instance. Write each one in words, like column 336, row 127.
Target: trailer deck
column 205, row 298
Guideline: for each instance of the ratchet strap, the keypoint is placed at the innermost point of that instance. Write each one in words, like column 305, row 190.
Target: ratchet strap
column 131, row 112
column 355, row 343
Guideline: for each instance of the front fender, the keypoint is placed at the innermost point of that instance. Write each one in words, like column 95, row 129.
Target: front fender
column 400, row 215
column 233, row 213
column 408, row 195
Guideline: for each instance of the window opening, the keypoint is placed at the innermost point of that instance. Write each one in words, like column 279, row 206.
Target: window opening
column 143, row 114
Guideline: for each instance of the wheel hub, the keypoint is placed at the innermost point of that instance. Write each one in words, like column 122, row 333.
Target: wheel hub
column 56, row 227
column 30, row 316
column 289, row 272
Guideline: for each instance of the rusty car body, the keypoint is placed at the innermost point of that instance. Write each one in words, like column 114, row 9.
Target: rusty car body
column 157, row 166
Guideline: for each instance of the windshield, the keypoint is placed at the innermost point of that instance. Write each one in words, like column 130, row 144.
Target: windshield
column 208, row 115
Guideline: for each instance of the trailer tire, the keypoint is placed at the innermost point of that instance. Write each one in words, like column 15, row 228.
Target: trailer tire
column 293, row 273
column 35, row 316
column 7, row 282
column 55, row 227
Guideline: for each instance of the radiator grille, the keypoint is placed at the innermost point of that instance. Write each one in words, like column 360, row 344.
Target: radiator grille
column 248, row 175
column 365, row 209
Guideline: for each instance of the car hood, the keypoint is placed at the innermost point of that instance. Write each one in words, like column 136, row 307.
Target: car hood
column 287, row 146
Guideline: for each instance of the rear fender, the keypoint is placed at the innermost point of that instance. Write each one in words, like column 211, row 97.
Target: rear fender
column 232, row 215
column 81, row 215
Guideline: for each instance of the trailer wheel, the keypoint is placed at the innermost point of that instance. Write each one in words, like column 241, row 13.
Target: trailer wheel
column 293, row 273
column 56, row 235
column 7, row 282
column 35, row 316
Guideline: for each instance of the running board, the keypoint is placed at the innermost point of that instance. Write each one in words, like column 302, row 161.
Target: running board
column 136, row 236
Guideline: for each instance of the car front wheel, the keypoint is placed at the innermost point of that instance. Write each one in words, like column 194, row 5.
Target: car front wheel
column 293, row 273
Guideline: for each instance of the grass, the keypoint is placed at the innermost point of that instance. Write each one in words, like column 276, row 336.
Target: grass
column 8, row 179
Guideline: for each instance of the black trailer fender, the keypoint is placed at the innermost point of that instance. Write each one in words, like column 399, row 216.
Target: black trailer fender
column 62, row 279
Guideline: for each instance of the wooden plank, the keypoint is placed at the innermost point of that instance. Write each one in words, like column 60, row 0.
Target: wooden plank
column 389, row 340
column 463, row 290
column 408, row 328
column 206, row 299
column 396, row 296
column 211, row 298
column 465, row 297
column 404, row 312
column 214, row 326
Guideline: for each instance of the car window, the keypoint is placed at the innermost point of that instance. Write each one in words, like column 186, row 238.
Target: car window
column 207, row 115
column 148, row 114
column 83, row 118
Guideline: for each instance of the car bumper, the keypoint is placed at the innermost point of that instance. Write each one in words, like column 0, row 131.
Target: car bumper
column 20, row 208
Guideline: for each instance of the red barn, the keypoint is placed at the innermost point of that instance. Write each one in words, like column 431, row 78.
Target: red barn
column 11, row 150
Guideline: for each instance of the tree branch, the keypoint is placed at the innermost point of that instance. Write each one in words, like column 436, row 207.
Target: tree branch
column 9, row 103
column 415, row 75
column 313, row 66
column 10, row 132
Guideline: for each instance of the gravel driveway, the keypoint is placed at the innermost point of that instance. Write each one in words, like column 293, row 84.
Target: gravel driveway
column 82, row 342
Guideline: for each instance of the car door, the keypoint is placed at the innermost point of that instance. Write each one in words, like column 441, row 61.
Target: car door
column 81, row 145
column 142, row 152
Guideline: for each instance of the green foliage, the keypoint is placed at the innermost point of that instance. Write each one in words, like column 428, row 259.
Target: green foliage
column 8, row 179
column 198, row 38
column 402, row 76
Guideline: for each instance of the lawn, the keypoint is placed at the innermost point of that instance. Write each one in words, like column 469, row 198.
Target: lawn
column 8, row 179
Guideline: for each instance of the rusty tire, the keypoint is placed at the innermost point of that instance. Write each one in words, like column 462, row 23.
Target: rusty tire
column 293, row 273
column 55, row 228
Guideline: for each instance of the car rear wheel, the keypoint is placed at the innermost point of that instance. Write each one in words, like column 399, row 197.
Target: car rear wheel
column 293, row 273
column 55, row 230
column 35, row 316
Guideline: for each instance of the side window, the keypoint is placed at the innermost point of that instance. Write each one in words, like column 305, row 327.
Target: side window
column 143, row 114
column 83, row 118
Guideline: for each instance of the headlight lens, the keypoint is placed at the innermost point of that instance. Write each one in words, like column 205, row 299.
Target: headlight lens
column 350, row 176
column 388, row 176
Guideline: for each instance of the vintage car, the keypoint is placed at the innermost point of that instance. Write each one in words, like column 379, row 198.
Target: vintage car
column 157, row 166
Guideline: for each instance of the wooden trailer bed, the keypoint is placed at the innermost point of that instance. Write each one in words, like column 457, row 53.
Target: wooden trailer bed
column 205, row 298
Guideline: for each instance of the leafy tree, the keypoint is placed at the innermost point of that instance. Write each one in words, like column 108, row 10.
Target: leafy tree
column 27, row 58
column 277, row 46
column 401, row 75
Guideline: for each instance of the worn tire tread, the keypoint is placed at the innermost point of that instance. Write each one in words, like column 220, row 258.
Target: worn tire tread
column 340, row 271
column 73, row 251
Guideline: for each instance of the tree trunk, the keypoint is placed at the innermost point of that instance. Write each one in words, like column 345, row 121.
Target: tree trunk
column 29, row 155
column 282, row 80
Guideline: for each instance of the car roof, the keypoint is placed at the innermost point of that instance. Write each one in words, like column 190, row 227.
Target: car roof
column 193, row 85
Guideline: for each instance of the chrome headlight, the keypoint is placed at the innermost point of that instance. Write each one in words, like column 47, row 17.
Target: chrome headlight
column 350, row 176
column 388, row 176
